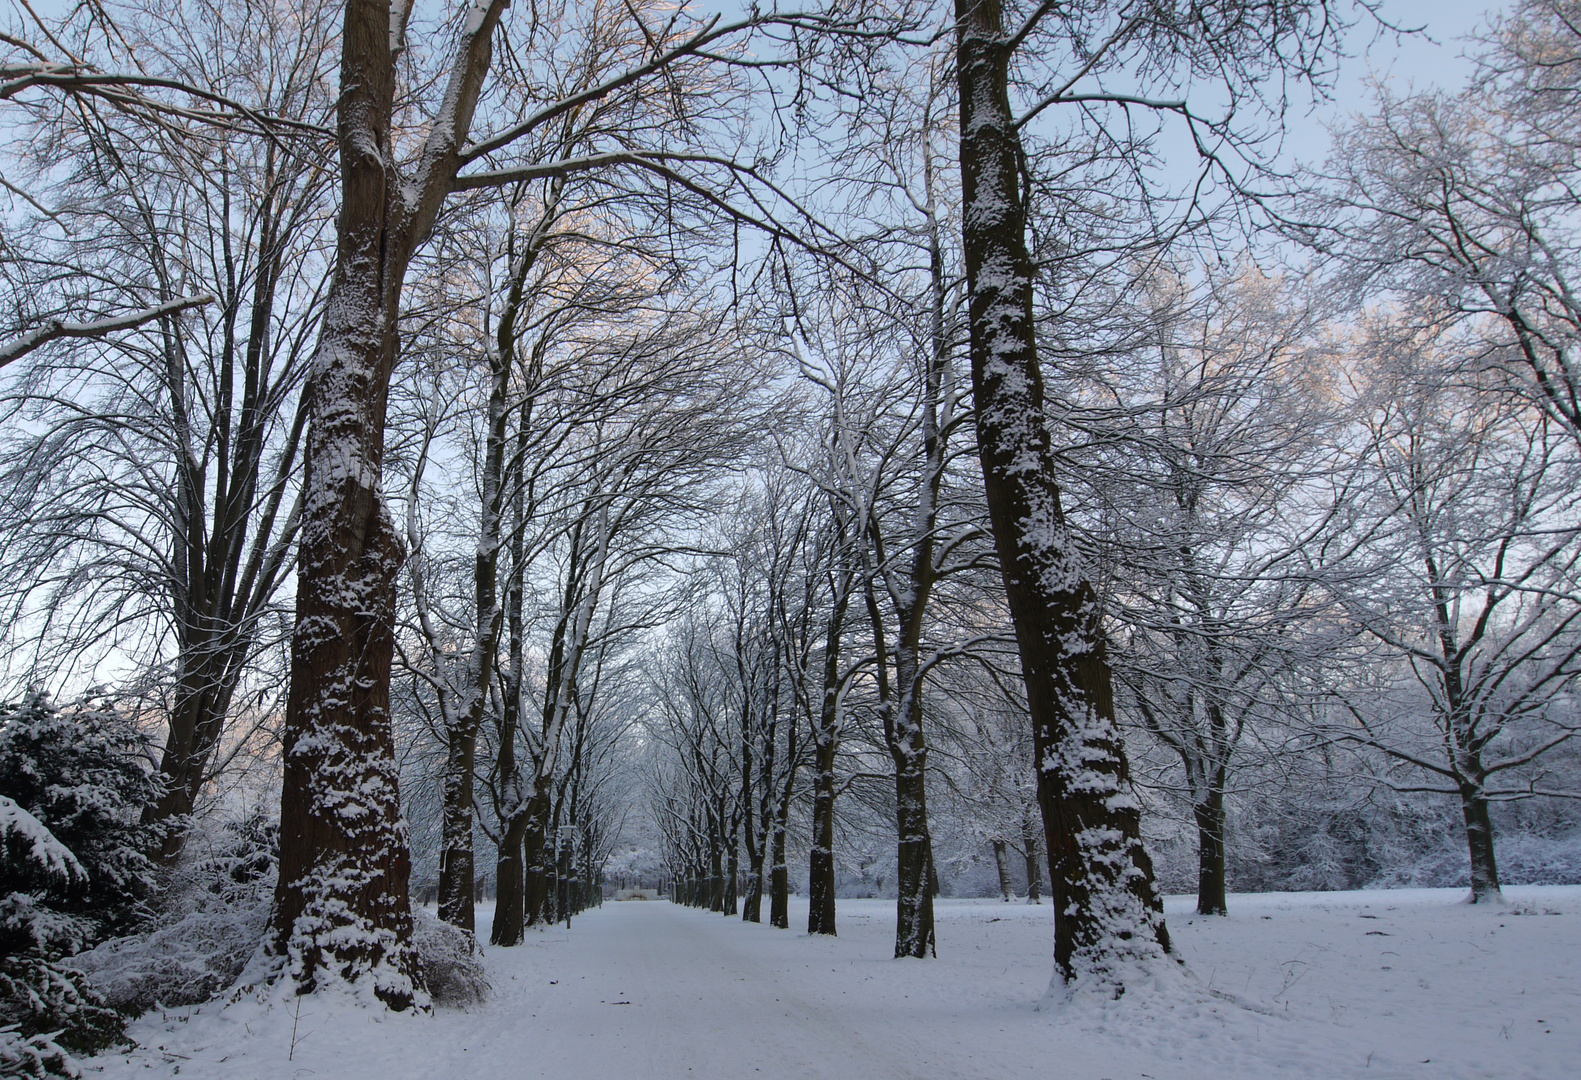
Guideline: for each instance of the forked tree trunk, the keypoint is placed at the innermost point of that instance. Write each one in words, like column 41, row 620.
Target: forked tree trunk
column 341, row 907
column 1108, row 913
column 227, row 572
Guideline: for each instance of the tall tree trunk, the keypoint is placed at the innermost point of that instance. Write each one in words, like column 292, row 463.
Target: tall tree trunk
column 1479, row 839
column 341, row 907
column 1108, row 913
column 1211, row 882
column 826, row 744
column 779, row 878
column 779, row 872
column 1031, row 851
column 510, row 870
column 457, row 866
column 1007, row 887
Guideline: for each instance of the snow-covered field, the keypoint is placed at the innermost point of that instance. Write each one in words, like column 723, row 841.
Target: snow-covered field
column 1408, row 983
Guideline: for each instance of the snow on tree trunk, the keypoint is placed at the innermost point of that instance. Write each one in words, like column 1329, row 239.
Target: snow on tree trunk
column 342, row 914
column 509, row 908
column 779, row 879
column 1109, row 923
column 1211, row 883
column 914, row 894
column 1031, row 851
column 1479, row 838
column 826, row 743
column 820, row 858
column 1007, row 888
column 342, row 911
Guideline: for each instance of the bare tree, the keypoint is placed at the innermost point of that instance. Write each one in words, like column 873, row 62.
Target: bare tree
column 342, row 913
column 157, row 471
column 1466, row 202
column 1466, row 516
column 1085, row 61
column 1214, row 488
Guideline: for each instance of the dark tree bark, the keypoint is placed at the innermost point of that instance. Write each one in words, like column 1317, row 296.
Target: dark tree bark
column 1479, row 838
column 1007, row 888
column 510, row 871
column 1032, row 851
column 752, row 826
column 900, row 701
column 779, row 876
column 730, row 902
column 1465, row 743
column 227, row 569
column 1107, row 908
column 463, row 706
column 826, row 745
column 1211, row 877
column 341, row 908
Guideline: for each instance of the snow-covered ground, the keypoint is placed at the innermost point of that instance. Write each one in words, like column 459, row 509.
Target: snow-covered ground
column 1407, row 983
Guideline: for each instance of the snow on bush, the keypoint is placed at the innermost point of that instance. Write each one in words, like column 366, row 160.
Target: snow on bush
column 213, row 919
column 33, row 1056
column 452, row 966
column 24, row 842
column 73, row 785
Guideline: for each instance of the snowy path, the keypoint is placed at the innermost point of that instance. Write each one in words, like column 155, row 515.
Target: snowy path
column 655, row 990
column 1383, row 984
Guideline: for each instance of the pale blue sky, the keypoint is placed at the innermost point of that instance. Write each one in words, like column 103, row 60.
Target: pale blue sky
column 1435, row 58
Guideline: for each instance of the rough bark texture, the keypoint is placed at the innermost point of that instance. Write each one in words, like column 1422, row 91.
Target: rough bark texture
column 1032, row 851
column 1108, row 914
column 914, row 894
column 826, row 743
column 1211, row 878
column 341, row 906
column 1007, row 889
column 1479, row 838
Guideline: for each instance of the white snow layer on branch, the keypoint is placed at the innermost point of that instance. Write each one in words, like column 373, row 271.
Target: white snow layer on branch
column 20, row 829
column 55, row 329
